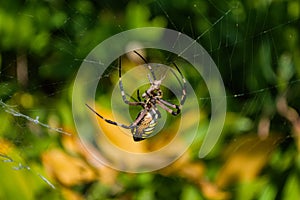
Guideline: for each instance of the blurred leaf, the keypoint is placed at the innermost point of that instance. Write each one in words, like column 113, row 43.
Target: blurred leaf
column 138, row 15
column 12, row 179
column 105, row 174
column 285, row 70
column 249, row 190
column 291, row 189
column 15, row 176
column 66, row 169
column 212, row 191
column 145, row 194
column 71, row 195
column 244, row 158
column 268, row 193
column 189, row 192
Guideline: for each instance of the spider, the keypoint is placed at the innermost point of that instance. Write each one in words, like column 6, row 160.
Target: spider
column 146, row 120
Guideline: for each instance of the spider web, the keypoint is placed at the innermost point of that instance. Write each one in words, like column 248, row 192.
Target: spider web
column 232, row 46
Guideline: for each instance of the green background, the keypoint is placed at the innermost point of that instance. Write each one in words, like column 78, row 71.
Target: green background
column 255, row 45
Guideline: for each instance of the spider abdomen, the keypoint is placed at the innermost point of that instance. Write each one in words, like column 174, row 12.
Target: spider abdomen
column 145, row 126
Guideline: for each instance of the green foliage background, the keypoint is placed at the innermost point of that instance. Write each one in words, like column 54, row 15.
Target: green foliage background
column 255, row 45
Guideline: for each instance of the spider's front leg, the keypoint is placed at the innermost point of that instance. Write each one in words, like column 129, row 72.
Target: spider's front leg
column 123, row 92
column 108, row 120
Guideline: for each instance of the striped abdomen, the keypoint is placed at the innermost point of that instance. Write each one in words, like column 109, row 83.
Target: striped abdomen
column 146, row 125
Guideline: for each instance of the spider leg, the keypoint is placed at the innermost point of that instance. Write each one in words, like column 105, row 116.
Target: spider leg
column 122, row 89
column 108, row 120
column 149, row 66
column 183, row 97
column 139, row 118
column 131, row 97
column 169, row 110
column 157, row 112
column 138, row 95
column 177, row 107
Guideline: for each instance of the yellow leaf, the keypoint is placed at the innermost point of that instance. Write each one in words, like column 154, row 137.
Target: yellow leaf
column 245, row 157
column 66, row 169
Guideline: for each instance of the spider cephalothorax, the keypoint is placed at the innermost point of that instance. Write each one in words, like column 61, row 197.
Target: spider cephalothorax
column 146, row 120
